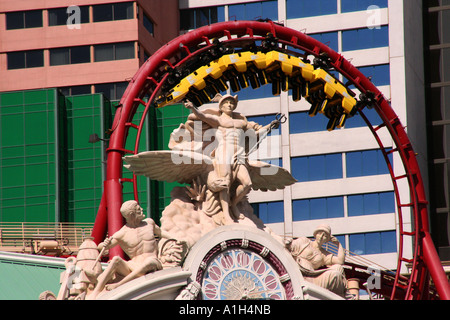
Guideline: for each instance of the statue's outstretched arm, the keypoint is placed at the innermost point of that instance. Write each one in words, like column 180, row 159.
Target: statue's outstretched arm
column 275, row 124
column 210, row 119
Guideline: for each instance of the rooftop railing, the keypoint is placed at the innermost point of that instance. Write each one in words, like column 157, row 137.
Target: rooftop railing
column 55, row 239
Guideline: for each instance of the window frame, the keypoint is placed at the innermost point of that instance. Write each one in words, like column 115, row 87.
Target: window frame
column 370, row 38
column 359, row 204
column 118, row 88
column 243, row 10
column 363, row 243
column 148, row 24
column 99, row 16
column 24, row 58
column 63, row 11
column 114, row 50
column 22, row 15
column 307, row 209
column 265, row 215
column 328, row 172
column 188, row 17
column 355, row 169
column 71, row 56
column 363, row 5
column 326, row 7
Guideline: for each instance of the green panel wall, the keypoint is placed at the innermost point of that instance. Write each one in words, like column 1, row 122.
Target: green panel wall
column 28, row 155
column 166, row 119
column 86, row 114
column 48, row 169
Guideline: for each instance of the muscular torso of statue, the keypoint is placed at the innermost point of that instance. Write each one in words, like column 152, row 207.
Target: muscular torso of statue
column 230, row 136
column 139, row 243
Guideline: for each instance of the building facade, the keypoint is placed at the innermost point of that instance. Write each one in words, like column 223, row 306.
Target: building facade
column 49, row 172
column 437, row 84
column 94, row 47
column 63, row 70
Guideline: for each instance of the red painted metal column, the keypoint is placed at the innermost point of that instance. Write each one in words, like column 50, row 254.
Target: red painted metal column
column 115, row 220
column 113, row 185
column 435, row 268
column 101, row 222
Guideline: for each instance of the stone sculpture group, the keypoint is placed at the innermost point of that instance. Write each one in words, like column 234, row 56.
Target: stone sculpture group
column 220, row 174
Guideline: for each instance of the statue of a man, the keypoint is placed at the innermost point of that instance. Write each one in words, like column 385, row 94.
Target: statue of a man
column 138, row 239
column 210, row 151
column 230, row 159
column 318, row 265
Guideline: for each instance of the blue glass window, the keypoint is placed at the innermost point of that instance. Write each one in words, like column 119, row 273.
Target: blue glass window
column 357, row 121
column 335, row 207
column 373, row 242
column 328, row 38
column 366, row 163
column 254, row 11
column 301, row 122
column 302, row 9
column 300, row 210
column 269, row 10
column 365, row 38
column 341, row 240
column 357, row 243
column 264, row 91
column 361, row 5
column 373, row 203
column 378, row 74
column 198, row 17
column 313, row 168
column 388, row 241
column 269, row 212
column 319, row 208
column 237, row 12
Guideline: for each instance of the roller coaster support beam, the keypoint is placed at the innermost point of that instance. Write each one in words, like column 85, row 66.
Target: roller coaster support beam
column 435, row 268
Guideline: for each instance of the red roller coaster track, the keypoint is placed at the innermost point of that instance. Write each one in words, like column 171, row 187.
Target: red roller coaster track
column 150, row 78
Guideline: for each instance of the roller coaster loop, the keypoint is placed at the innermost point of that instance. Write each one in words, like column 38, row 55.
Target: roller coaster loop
column 166, row 68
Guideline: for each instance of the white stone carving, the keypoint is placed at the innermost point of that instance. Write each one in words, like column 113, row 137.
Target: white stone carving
column 318, row 265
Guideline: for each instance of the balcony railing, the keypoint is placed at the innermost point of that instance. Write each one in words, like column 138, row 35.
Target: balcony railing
column 56, row 239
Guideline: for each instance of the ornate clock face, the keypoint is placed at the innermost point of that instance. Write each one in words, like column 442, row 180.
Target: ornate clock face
column 236, row 274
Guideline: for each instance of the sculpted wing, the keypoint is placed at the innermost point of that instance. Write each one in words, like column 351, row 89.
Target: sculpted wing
column 267, row 176
column 170, row 166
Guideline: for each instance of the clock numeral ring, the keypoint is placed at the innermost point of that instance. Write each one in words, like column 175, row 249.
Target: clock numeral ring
column 264, row 252
column 285, row 277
